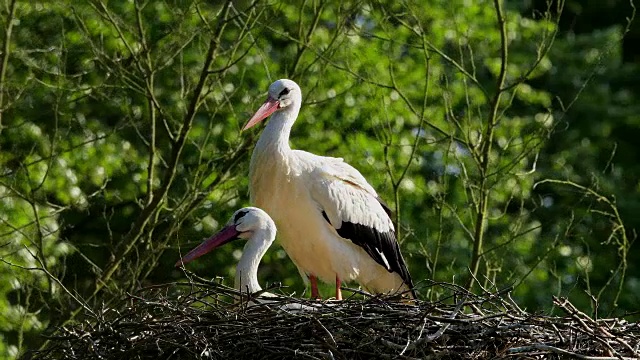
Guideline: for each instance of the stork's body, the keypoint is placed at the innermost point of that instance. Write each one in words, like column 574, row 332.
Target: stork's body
column 330, row 220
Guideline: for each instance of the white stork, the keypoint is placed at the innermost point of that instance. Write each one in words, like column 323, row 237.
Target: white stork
column 331, row 222
column 248, row 223
column 255, row 226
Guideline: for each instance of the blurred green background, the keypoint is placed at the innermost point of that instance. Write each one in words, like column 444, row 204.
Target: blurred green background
column 508, row 150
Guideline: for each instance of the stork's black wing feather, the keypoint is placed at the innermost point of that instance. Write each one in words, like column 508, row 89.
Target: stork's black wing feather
column 381, row 246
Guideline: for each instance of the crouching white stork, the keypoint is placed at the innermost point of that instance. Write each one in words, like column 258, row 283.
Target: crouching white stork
column 255, row 226
column 248, row 223
column 331, row 222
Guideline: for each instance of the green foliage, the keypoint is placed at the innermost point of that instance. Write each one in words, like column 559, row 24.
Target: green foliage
column 120, row 144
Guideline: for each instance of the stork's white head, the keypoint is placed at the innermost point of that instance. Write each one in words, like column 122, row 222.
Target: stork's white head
column 248, row 220
column 242, row 225
column 284, row 95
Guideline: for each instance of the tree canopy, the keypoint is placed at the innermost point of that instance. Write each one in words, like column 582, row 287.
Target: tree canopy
column 503, row 139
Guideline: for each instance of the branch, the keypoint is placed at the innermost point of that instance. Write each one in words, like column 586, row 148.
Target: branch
column 485, row 152
column 5, row 55
column 131, row 238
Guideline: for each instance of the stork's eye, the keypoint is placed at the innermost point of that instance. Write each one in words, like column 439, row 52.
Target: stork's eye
column 239, row 215
column 283, row 92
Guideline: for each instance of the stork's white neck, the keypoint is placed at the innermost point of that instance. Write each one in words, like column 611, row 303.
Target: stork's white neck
column 247, row 269
column 275, row 136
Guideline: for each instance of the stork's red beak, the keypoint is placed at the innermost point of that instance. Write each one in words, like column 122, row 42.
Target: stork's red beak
column 268, row 108
column 224, row 236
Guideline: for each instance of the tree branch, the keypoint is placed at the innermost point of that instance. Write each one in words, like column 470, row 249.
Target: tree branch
column 132, row 237
column 485, row 150
column 4, row 63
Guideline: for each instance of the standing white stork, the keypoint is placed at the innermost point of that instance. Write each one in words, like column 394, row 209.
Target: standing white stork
column 331, row 222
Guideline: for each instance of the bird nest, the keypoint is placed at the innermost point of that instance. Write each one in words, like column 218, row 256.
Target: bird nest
column 200, row 320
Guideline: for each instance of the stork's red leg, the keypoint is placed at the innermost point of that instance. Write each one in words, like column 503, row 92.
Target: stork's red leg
column 338, row 290
column 315, row 294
